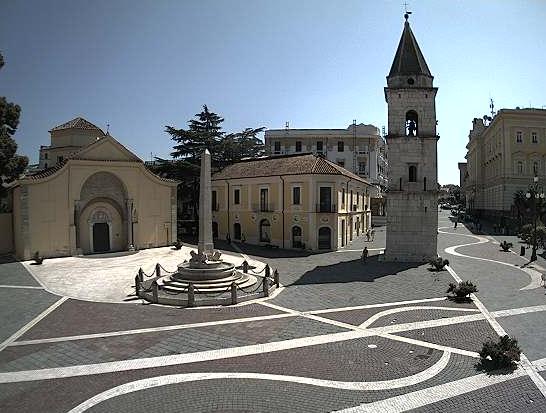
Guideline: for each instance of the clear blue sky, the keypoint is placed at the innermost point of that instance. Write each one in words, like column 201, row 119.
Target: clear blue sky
column 141, row 65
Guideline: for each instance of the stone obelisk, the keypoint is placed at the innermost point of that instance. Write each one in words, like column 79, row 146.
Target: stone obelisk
column 205, row 245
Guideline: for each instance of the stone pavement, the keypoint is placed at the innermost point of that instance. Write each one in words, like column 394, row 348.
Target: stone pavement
column 341, row 335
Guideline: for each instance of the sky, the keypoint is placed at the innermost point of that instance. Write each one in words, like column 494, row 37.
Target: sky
column 142, row 65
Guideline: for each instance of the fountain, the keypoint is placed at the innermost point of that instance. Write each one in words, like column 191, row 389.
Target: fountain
column 205, row 269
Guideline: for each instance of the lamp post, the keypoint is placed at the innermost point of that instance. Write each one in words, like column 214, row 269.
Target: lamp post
column 536, row 193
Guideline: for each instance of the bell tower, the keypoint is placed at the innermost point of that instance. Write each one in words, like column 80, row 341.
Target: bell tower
column 412, row 208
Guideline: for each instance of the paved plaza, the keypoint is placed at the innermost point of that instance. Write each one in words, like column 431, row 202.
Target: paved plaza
column 339, row 335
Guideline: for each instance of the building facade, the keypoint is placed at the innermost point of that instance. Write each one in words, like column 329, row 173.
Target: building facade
column 503, row 156
column 412, row 219
column 98, row 198
column 290, row 201
column 360, row 148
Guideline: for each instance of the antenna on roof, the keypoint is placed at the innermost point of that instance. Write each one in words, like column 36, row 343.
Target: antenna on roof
column 492, row 106
column 107, row 128
column 287, row 125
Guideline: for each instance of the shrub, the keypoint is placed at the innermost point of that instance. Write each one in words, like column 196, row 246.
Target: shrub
column 462, row 289
column 502, row 354
column 506, row 246
column 439, row 263
column 37, row 259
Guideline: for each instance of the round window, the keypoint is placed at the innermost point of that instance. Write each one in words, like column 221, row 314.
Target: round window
column 411, row 81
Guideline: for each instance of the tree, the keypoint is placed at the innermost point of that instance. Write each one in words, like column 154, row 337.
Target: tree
column 11, row 164
column 205, row 132
column 244, row 144
column 520, row 202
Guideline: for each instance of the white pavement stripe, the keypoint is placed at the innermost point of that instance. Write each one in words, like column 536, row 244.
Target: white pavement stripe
column 421, row 398
column 369, row 249
column 333, row 384
column 429, row 345
column 397, row 328
column 536, row 276
column 517, row 311
column 377, row 316
column 524, row 361
column 30, row 287
column 362, row 307
column 149, row 330
column 32, row 323
column 539, row 365
column 149, row 362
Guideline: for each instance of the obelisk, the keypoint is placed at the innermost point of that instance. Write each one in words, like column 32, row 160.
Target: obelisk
column 205, row 245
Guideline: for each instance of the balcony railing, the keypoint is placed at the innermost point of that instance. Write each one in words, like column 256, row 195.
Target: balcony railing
column 326, row 207
column 263, row 207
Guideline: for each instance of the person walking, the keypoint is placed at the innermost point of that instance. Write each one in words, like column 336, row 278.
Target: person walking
column 368, row 235
column 372, row 234
column 364, row 256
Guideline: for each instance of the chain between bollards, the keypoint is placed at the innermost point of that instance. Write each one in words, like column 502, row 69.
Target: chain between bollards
column 191, row 295
column 233, row 293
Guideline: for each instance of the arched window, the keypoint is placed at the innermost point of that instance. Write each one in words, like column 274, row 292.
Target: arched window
column 412, row 123
column 425, row 183
column 412, row 173
column 520, row 167
column 535, row 168
column 265, row 231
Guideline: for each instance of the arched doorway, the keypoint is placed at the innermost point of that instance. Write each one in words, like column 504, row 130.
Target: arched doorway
column 265, row 231
column 214, row 229
column 237, row 231
column 100, row 231
column 296, row 237
column 325, row 238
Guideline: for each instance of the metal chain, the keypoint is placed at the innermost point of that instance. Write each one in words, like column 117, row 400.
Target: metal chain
column 167, row 271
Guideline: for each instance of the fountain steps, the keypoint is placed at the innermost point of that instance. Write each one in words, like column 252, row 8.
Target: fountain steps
column 177, row 285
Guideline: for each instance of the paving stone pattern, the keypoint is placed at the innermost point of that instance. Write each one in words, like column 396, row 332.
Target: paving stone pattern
column 517, row 395
column 468, row 336
column 14, row 273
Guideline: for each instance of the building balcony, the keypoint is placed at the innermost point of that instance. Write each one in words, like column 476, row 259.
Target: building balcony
column 322, row 207
column 263, row 207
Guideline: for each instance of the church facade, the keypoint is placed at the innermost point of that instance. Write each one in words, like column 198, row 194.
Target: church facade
column 95, row 196
column 412, row 218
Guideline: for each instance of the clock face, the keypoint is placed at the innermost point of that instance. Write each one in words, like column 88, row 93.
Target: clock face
column 411, row 81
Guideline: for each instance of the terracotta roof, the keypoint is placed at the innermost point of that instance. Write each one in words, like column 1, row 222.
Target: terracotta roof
column 78, row 123
column 296, row 164
column 408, row 59
column 46, row 172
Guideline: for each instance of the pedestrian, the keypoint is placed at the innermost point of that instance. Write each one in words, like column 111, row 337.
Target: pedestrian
column 456, row 221
column 228, row 238
column 243, row 238
column 364, row 256
column 373, row 234
column 368, row 235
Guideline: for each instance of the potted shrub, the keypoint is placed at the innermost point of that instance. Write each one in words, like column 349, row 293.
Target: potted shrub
column 177, row 245
column 37, row 258
column 503, row 354
column 439, row 263
column 462, row 290
column 506, row 246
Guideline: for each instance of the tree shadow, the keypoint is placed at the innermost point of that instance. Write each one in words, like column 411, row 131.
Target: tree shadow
column 355, row 270
column 459, row 300
column 492, row 369
column 262, row 251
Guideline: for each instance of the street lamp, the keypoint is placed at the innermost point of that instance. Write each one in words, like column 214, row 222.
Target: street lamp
column 536, row 193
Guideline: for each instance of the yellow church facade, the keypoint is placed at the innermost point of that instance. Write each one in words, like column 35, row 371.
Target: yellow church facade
column 98, row 198
column 298, row 201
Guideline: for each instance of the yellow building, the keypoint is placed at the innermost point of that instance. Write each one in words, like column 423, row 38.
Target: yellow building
column 96, row 197
column 290, row 201
column 502, row 158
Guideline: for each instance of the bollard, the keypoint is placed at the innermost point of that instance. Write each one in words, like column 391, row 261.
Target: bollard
column 191, row 295
column 522, row 251
column 155, row 297
column 276, row 277
column 265, row 286
column 137, row 286
column 267, row 270
column 245, row 266
column 140, row 275
column 233, row 293
column 158, row 270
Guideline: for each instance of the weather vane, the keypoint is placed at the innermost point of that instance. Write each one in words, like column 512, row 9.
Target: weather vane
column 407, row 13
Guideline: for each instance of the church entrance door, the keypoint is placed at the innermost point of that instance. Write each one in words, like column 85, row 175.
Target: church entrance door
column 101, row 237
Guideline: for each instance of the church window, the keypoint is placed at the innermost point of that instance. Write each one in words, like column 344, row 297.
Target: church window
column 340, row 146
column 534, row 137
column 237, row 196
column 60, row 159
column 412, row 173
column 519, row 137
column 277, row 147
column 412, row 123
column 45, row 165
column 298, row 146
column 45, row 155
column 341, row 163
column 319, row 146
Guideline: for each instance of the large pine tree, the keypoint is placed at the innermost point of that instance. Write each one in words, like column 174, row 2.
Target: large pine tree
column 11, row 164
